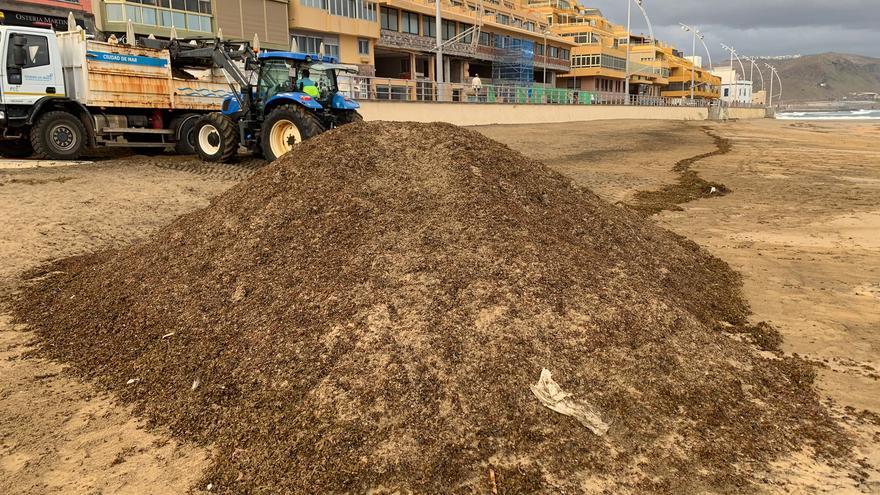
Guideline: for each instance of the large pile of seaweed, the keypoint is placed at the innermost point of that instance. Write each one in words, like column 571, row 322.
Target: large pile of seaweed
column 367, row 313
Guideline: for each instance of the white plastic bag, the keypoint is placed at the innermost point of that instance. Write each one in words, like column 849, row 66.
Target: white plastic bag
column 552, row 396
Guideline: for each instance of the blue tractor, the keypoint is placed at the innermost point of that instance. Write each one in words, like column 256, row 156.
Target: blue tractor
column 296, row 97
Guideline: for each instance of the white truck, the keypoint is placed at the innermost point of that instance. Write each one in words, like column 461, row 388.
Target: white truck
column 62, row 94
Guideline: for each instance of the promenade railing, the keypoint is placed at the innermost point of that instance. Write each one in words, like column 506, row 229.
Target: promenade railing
column 415, row 90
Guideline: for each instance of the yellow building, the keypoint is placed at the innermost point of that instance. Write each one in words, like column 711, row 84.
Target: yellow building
column 344, row 29
column 683, row 72
column 494, row 39
column 599, row 59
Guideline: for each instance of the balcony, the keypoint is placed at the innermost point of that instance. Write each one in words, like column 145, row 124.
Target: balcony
column 406, row 41
column 686, row 93
column 425, row 44
column 553, row 63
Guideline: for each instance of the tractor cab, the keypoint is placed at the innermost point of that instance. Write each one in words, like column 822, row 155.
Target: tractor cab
column 294, row 75
column 296, row 96
column 310, row 80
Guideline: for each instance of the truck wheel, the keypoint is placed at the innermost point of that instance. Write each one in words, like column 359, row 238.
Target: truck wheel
column 216, row 138
column 58, row 136
column 16, row 149
column 183, row 127
column 349, row 117
column 285, row 127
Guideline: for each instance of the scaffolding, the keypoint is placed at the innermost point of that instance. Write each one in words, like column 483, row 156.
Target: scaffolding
column 515, row 62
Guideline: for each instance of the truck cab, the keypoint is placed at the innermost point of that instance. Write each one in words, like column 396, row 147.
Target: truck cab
column 31, row 72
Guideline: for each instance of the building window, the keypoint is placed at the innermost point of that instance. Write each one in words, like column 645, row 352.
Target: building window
column 149, row 15
column 183, row 13
column 429, row 26
column 344, row 8
column 193, row 23
column 308, row 43
column 448, row 30
column 133, row 13
column 363, row 46
column 502, row 18
column 389, row 19
column 467, row 38
column 485, row 38
column 409, row 22
column 114, row 12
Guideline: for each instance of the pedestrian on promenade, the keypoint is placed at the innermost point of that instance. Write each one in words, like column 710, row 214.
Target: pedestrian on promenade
column 477, row 86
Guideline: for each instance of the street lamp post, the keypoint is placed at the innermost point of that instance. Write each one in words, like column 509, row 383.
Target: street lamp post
column 695, row 32
column 772, row 70
column 628, row 49
column 778, row 78
column 705, row 47
column 693, row 65
column 743, row 67
column 438, row 19
column 544, row 77
column 756, row 66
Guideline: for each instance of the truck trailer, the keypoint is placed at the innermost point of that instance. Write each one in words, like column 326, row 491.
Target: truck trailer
column 63, row 94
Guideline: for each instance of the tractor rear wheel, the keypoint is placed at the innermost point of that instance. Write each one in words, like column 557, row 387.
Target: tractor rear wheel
column 285, row 127
column 349, row 117
column 216, row 138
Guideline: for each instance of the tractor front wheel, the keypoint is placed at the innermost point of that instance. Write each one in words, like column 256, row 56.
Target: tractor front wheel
column 216, row 138
column 285, row 127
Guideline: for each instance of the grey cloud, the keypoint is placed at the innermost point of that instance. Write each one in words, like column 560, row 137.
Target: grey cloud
column 761, row 27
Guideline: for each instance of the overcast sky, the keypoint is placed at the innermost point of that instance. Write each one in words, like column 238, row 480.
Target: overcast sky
column 760, row 27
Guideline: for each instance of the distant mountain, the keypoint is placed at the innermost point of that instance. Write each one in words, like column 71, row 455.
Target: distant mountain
column 825, row 77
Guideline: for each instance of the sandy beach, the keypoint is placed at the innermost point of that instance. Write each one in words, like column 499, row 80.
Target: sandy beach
column 800, row 224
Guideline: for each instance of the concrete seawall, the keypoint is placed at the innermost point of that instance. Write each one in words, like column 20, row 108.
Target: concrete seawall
column 485, row 114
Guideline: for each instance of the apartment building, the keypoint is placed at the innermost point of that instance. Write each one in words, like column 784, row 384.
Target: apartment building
column 600, row 56
column 346, row 29
column 683, row 72
column 598, row 61
column 733, row 89
column 238, row 19
column 47, row 13
column 495, row 39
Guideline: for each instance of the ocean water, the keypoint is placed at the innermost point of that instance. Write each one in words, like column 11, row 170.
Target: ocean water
column 840, row 115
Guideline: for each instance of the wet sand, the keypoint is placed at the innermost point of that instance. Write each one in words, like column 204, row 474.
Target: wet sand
column 801, row 225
